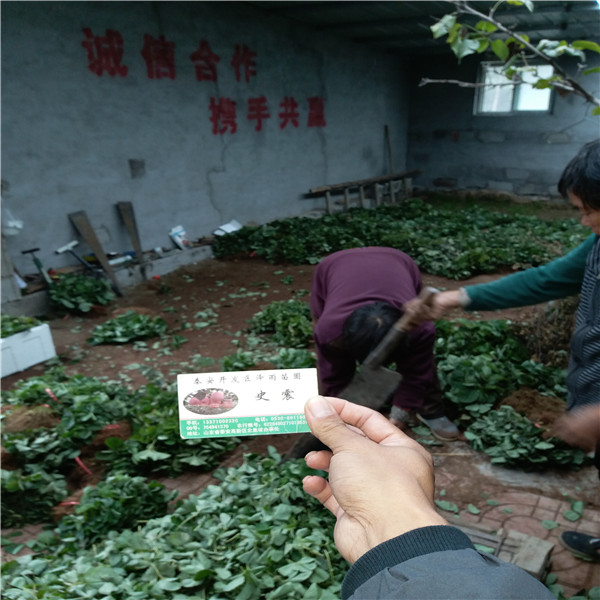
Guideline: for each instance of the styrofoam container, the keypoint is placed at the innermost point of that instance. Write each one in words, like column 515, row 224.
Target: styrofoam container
column 27, row 348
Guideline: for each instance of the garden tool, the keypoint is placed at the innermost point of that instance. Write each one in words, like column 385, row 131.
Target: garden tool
column 69, row 248
column 373, row 384
column 38, row 263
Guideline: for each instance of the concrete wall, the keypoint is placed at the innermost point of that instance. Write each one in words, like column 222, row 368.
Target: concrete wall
column 75, row 137
column 522, row 154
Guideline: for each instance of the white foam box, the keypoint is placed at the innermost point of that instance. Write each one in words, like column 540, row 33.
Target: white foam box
column 26, row 348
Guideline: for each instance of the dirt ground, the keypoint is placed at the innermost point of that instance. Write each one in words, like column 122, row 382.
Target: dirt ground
column 235, row 289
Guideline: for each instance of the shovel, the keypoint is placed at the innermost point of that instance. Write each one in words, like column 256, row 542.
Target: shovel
column 374, row 383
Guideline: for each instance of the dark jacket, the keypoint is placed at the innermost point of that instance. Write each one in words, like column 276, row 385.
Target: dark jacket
column 437, row 563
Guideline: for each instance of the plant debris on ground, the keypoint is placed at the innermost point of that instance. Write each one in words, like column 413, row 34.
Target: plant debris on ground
column 255, row 534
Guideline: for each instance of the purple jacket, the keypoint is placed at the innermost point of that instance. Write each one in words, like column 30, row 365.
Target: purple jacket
column 349, row 279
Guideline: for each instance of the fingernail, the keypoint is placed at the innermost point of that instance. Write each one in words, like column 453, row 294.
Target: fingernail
column 320, row 407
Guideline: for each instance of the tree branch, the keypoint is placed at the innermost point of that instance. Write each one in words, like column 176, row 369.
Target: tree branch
column 463, row 7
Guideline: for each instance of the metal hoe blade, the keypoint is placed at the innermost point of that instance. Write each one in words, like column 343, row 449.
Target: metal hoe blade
column 371, row 387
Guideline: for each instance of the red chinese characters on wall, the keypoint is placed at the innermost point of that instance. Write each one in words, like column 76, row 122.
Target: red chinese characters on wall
column 316, row 112
column 205, row 61
column 159, row 55
column 289, row 112
column 222, row 115
column 243, row 57
column 258, row 111
column 105, row 55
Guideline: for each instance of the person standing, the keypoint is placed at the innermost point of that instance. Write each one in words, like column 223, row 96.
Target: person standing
column 578, row 272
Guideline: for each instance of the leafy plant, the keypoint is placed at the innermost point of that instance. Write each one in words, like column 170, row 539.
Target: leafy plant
column 29, row 494
column 126, row 328
column 515, row 50
column 289, row 322
column 558, row 591
column 293, row 358
column 79, row 293
column 511, row 439
column 255, row 535
column 481, row 362
column 117, row 503
column 155, row 445
column 241, row 360
column 470, row 241
column 11, row 325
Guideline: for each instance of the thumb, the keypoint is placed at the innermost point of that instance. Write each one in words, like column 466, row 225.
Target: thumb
column 326, row 424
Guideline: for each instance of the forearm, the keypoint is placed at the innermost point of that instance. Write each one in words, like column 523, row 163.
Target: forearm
column 557, row 279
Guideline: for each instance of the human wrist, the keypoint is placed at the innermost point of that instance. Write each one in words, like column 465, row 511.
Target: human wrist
column 410, row 520
column 463, row 298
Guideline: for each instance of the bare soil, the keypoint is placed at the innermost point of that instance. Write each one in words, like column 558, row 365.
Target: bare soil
column 235, row 289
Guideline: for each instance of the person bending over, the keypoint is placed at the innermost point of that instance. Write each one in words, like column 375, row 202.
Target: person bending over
column 356, row 296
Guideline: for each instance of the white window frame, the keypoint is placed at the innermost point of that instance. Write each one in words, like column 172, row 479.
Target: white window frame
column 503, row 99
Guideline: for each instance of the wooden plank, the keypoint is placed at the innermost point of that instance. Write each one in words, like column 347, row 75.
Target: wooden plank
column 361, row 192
column 128, row 216
column 347, row 198
column 383, row 179
column 377, row 194
column 329, row 203
column 388, row 142
column 82, row 225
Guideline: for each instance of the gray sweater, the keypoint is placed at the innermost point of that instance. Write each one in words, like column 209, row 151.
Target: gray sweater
column 437, row 563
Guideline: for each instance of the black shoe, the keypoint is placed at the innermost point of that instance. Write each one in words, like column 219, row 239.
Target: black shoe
column 581, row 545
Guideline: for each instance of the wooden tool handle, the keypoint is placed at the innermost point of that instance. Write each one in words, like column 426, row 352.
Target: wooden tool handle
column 396, row 334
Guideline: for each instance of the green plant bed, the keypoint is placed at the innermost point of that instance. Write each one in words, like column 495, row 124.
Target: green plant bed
column 82, row 407
column 79, row 293
column 126, row 328
column 255, row 535
column 482, row 362
column 11, row 325
column 512, row 440
column 288, row 323
column 467, row 242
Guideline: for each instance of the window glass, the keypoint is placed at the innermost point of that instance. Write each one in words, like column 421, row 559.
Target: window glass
column 500, row 96
column 530, row 98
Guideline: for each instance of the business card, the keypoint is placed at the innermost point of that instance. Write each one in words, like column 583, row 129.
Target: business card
column 239, row 403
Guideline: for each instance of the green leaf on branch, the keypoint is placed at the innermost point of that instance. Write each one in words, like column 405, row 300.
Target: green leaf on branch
column 443, row 26
column 473, row 509
column 586, row 45
column 500, row 49
column 486, row 26
column 527, row 3
column 464, row 46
